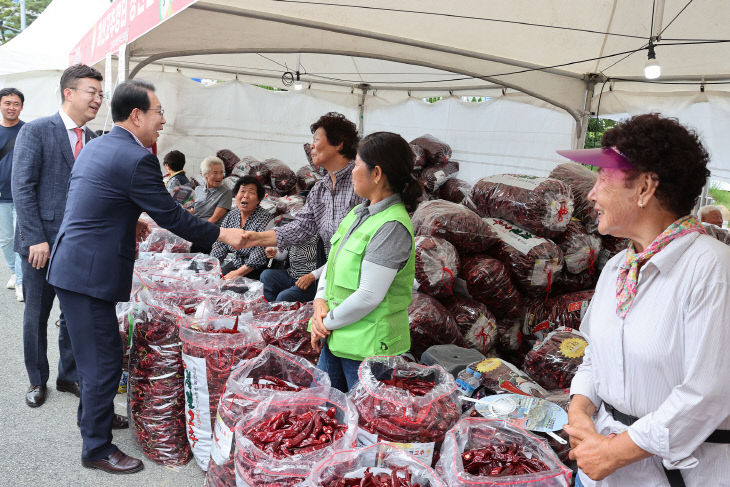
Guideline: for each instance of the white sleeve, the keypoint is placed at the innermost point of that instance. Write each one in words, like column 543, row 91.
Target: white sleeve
column 319, row 272
column 322, row 283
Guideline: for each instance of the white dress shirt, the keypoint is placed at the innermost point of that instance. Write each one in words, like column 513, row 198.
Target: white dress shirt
column 70, row 126
column 667, row 363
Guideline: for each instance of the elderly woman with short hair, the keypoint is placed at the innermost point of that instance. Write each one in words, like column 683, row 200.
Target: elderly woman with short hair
column 212, row 201
column 650, row 403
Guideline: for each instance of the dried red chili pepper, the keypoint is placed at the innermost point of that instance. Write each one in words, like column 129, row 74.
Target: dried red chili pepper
column 437, row 265
column 431, row 324
column 455, row 223
column 286, row 329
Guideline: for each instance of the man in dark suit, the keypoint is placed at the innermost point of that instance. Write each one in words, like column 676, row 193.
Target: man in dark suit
column 44, row 155
column 114, row 179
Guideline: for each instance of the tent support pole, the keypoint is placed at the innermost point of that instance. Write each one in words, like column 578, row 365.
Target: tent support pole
column 361, row 108
column 582, row 126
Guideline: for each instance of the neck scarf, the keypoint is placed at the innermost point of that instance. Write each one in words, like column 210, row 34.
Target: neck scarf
column 628, row 271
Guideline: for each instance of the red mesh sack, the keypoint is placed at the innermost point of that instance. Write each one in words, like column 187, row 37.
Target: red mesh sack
column 533, row 261
column 542, row 206
column 502, row 377
column 476, row 323
column 581, row 180
column 437, row 265
column 489, row 281
column 419, row 157
column 552, row 363
column 433, row 177
column 454, row 190
column 282, row 178
column 431, row 324
column 280, row 442
column 405, row 403
column 307, row 177
column 580, row 248
column 156, row 394
column 455, row 223
column 229, row 160
column 491, row 452
column 251, row 383
column 286, row 328
column 436, row 152
column 380, row 464
column 564, row 310
column 211, row 348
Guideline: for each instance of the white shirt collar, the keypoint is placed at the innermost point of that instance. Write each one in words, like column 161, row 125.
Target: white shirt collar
column 67, row 122
column 135, row 137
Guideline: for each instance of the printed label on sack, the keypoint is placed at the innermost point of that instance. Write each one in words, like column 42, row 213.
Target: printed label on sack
column 544, row 272
column 518, row 181
column 366, row 438
column 220, row 451
column 558, row 214
column 422, row 451
column 481, row 334
column 512, row 235
column 441, row 178
column 573, row 347
column 488, row 365
column 197, row 409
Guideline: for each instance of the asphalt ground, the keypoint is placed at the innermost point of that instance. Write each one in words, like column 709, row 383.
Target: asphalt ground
column 42, row 447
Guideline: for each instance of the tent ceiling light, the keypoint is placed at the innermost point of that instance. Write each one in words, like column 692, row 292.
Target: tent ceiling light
column 652, row 70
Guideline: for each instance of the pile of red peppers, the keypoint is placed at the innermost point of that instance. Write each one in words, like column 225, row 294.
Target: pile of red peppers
column 382, row 479
column 500, row 460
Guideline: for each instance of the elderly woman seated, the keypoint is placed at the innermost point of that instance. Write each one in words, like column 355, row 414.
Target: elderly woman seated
column 212, row 201
column 247, row 215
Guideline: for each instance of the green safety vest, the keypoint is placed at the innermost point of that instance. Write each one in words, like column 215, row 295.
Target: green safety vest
column 385, row 330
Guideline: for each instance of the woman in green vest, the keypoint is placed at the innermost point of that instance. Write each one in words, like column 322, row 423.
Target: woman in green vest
column 361, row 306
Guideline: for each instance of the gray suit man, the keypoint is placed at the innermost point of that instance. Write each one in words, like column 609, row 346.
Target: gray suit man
column 45, row 150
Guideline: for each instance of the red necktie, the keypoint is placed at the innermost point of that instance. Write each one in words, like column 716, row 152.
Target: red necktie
column 79, row 141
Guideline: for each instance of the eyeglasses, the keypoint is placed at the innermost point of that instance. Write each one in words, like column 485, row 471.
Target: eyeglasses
column 93, row 93
column 160, row 110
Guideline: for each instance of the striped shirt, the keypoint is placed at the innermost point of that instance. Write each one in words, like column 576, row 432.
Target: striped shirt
column 302, row 258
column 254, row 257
column 322, row 213
column 667, row 363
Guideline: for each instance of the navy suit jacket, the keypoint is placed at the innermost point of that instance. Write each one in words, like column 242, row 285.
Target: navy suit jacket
column 42, row 162
column 113, row 180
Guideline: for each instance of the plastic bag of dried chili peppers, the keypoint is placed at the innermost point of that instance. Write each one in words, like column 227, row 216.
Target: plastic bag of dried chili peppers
column 500, row 376
column 543, row 317
column 454, row 190
column 378, row 465
column 477, row 325
column 570, row 283
column 433, row 177
column 580, row 248
column 281, row 441
column 243, row 168
column 431, row 324
column 581, row 181
column 436, row 152
column 542, row 206
column 156, row 394
column 161, row 240
column 288, row 204
column 610, row 246
column 721, row 234
column 307, row 177
column 286, row 329
column 211, row 348
column 419, row 157
column 229, row 159
column 489, row 281
column 249, row 384
column 552, row 363
column 282, row 178
column 491, row 452
column 405, row 403
column 437, row 265
column 534, row 261
column 455, row 223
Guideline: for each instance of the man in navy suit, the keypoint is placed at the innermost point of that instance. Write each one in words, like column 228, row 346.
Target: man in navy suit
column 114, row 179
column 44, row 155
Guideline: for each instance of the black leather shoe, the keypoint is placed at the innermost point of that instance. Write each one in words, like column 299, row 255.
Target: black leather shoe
column 35, row 396
column 68, row 386
column 119, row 422
column 117, row 463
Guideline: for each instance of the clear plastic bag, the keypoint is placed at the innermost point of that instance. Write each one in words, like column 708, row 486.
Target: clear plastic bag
column 436, row 152
column 419, row 157
column 161, row 240
column 455, row 223
column 282, row 178
column 563, row 310
column 580, row 248
column 243, row 168
column 229, row 159
column 553, row 362
column 382, row 460
column 307, row 177
column 431, row 324
column 542, row 206
column 496, row 438
column 610, row 246
column 488, row 280
column 211, row 348
column 580, row 179
column 500, row 376
column 437, row 265
column 454, row 190
column 433, row 177
column 405, row 403
column 286, row 327
column 476, row 323
column 251, row 383
column 283, row 462
column 534, row 261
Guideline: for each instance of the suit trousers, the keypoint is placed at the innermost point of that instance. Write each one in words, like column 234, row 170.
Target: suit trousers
column 39, row 297
column 92, row 325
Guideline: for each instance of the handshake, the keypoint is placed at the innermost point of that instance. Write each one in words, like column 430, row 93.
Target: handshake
column 239, row 239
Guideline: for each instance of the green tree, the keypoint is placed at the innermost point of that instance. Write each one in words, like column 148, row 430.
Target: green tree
column 596, row 127
column 10, row 16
